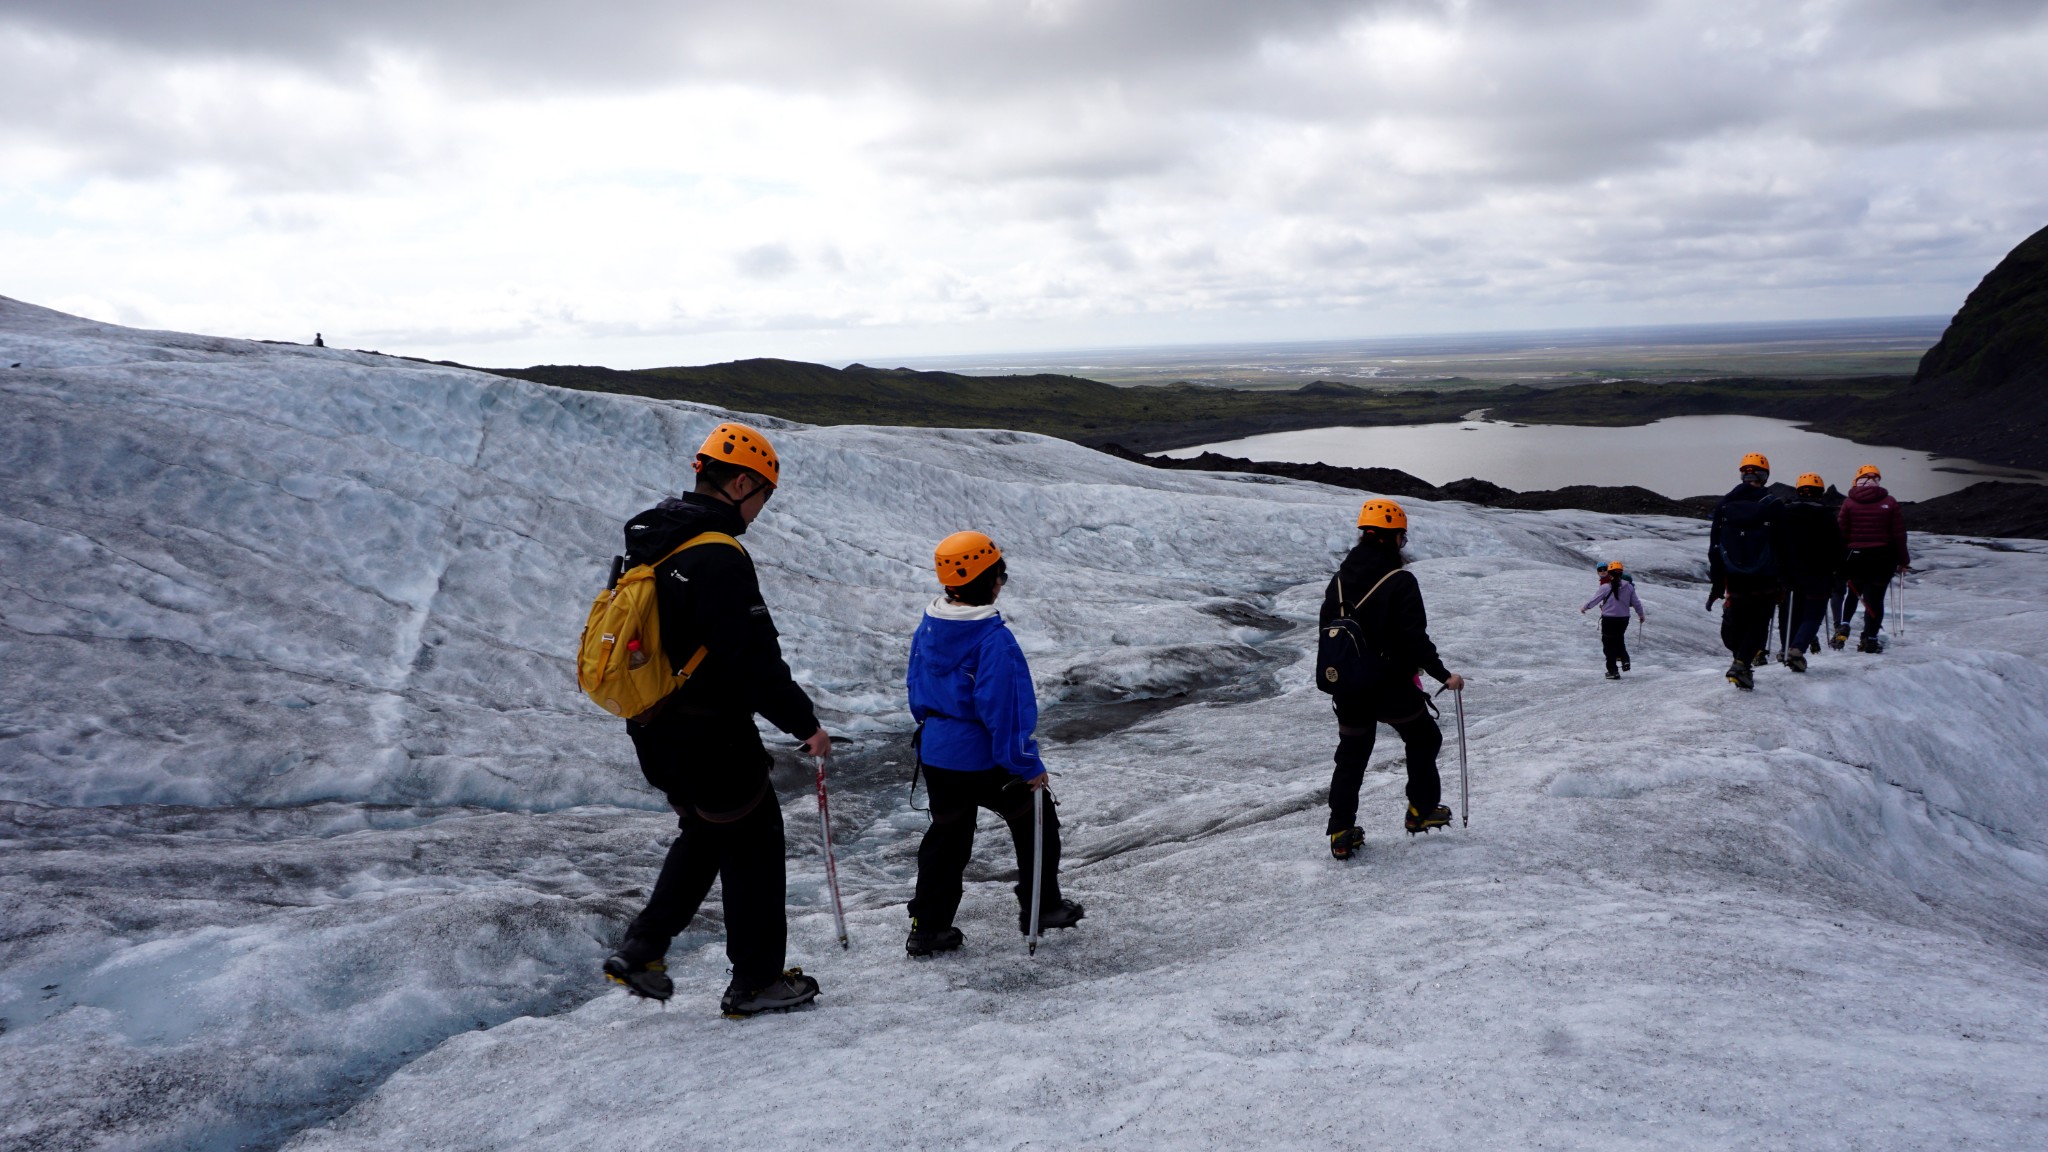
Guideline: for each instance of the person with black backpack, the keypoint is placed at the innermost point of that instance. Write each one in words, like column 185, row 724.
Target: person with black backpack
column 1742, row 562
column 697, row 744
column 1813, row 560
column 1374, row 637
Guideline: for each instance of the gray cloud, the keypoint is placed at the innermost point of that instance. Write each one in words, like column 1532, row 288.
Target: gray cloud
column 765, row 262
column 1081, row 157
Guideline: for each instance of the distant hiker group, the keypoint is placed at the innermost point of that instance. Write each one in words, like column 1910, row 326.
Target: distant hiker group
column 682, row 646
column 1795, row 560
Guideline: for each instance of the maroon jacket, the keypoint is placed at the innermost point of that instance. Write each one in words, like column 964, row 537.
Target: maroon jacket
column 1870, row 518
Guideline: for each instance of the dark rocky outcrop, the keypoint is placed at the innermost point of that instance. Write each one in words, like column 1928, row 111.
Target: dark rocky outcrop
column 1396, row 483
column 1982, row 392
column 1991, row 508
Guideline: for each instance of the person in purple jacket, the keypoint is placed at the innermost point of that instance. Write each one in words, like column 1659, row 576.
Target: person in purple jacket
column 1874, row 528
column 1617, row 596
column 971, row 694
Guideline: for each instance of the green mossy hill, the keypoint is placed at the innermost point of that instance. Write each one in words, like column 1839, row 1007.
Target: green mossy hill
column 1630, row 402
column 1982, row 392
column 2000, row 337
column 1065, row 406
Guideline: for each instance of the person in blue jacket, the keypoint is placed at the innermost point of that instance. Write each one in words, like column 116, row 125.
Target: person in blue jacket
column 971, row 694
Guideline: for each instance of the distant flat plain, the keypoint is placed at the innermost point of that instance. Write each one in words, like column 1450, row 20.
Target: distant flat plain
column 1804, row 349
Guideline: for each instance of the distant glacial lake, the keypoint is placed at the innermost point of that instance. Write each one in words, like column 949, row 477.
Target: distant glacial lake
column 1678, row 457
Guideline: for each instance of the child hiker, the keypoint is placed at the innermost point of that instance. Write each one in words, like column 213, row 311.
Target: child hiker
column 1616, row 598
column 971, row 694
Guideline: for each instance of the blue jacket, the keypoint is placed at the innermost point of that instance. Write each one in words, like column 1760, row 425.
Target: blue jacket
column 970, row 688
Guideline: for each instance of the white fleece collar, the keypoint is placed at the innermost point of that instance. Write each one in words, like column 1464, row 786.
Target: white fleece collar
column 944, row 609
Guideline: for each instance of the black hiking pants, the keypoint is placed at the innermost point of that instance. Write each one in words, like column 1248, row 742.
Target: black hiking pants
column 746, row 856
column 1358, row 721
column 1809, row 609
column 1746, row 620
column 714, row 772
column 1870, row 574
column 956, row 799
column 1612, row 629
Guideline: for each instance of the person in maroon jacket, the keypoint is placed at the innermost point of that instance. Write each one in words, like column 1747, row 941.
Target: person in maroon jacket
column 1874, row 529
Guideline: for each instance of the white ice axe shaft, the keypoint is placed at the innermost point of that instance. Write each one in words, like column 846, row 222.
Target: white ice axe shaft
column 1902, row 605
column 1464, row 768
column 831, row 865
column 1037, row 864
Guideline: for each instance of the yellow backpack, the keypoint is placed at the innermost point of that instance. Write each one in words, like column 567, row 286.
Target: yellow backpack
column 620, row 662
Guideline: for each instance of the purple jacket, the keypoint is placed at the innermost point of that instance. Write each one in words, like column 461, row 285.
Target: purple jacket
column 1870, row 518
column 1615, row 603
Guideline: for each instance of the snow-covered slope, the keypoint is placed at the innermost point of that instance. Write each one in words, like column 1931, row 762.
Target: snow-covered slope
column 296, row 790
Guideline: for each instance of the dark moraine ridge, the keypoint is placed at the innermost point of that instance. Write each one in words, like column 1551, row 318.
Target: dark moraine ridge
column 1990, row 508
column 1982, row 392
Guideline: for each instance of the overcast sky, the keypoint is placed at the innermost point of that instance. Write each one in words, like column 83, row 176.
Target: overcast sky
column 638, row 182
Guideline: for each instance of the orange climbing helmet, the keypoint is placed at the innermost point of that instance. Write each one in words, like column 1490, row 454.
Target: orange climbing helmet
column 1382, row 514
column 735, row 443
column 1810, row 480
column 1755, row 460
column 963, row 556
column 1869, row 470
column 1614, row 565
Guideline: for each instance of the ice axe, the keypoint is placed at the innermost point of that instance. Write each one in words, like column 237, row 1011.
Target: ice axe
column 1037, row 865
column 1464, row 763
column 831, row 865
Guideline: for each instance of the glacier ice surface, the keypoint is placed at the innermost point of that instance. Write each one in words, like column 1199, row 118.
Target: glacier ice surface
column 307, row 834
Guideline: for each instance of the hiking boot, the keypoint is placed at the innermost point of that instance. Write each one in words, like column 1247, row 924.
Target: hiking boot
column 1420, row 821
column 1840, row 639
column 649, row 980
column 927, row 941
column 1344, row 845
column 789, row 990
column 1796, row 661
column 1613, row 675
column 1624, row 665
column 1064, row 914
column 1870, row 644
column 1740, row 675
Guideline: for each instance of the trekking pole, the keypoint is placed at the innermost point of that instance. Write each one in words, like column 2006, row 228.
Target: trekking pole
column 1464, row 766
column 831, row 865
column 1902, row 605
column 1037, row 864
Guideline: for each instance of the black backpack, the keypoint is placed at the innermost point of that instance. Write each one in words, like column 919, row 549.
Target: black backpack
column 1745, row 545
column 1345, row 661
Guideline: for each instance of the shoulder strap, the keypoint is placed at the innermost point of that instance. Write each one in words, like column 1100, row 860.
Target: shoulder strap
column 1348, row 609
column 689, row 668
column 700, row 538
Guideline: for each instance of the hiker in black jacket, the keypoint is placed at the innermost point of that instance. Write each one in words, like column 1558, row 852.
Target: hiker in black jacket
column 699, row 745
column 1742, row 560
column 1372, row 587
column 1813, row 560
